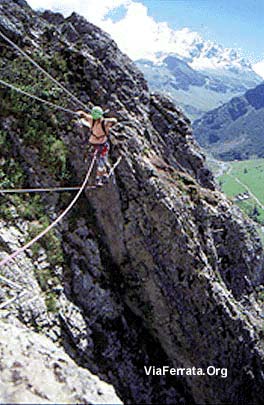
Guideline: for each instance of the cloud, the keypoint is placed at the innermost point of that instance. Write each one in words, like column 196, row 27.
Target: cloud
column 93, row 10
column 128, row 31
column 259, row 68
column 137, row 33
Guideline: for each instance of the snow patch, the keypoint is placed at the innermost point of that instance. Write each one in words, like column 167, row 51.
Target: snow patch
column 259, row 68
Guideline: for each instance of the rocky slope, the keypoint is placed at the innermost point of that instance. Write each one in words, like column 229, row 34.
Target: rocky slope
column 234, row 130
column 156, row 269
column 58, row 379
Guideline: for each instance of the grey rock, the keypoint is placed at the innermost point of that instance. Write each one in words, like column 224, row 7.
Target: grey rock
column 158, row 266
column 56, row 378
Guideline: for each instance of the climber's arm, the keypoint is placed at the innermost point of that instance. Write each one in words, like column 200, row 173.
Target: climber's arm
column 86, row 117
column 110, row 122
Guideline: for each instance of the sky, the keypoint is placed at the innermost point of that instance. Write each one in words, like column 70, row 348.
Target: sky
column 140, row 27
column 232, row 23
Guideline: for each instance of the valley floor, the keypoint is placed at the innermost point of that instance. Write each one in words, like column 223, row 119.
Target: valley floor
column 242, row 181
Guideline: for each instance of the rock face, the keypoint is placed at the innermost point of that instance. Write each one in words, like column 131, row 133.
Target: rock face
column 234, row 130
column 35, row 371
column 158, row 267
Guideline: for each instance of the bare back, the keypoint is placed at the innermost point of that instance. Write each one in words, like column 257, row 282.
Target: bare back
column 99, row 128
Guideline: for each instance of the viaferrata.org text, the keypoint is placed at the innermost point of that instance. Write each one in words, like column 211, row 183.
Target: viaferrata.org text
column 188, row 371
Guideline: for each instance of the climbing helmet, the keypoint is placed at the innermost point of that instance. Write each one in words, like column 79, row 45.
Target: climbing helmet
column 97, row 112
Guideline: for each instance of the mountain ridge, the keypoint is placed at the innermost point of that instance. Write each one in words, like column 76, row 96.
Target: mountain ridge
column 234, row 130
column 199, row 75
column 200, row 53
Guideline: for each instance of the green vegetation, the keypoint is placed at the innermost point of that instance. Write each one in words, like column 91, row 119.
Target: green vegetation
column 246, row 177
column 243, row 182
column 230, row 186
column 37, row 124
column 37, row 129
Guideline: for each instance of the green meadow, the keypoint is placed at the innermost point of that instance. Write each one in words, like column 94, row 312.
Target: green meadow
column 250, row 173
column 240, row 178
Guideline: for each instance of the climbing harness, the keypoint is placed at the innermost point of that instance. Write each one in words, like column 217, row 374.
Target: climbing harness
column 103, row 128
column 42, row 70
column 54, row 223
column 102, row 148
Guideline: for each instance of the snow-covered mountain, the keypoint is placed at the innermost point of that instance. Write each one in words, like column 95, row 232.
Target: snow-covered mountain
column 199, row 74
column 198, row 53
column 259, row 68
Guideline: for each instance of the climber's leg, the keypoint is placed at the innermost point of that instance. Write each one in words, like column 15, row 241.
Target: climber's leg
column 102, row 174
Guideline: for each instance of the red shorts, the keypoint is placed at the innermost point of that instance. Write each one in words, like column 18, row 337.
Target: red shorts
column 102, row 150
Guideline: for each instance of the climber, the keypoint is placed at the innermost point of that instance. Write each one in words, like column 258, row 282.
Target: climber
column 98, row 139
